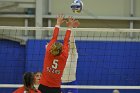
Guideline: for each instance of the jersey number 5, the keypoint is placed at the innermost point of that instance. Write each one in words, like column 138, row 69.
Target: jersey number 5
column 55, row 64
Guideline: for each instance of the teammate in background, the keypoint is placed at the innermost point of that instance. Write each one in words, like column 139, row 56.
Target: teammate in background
column 37, row 76
column 69, row 74
column 55, row 59
column 28, row 81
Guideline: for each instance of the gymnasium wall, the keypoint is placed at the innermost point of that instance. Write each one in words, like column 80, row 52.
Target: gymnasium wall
column 97, row 7
column 12, row 63
column 110, row 9
column 99, row 62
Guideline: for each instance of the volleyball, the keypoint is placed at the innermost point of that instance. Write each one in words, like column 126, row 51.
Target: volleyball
column 77, row 6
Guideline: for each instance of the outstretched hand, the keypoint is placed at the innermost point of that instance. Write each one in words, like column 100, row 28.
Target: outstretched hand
column 71, row 22
column 76, row 23
column 60, row 19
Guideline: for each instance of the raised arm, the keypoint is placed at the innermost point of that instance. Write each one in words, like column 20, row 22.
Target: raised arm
column 60, row 20
column 70, row 24
column 66, row 39
column 72, row 39
column 55, row 35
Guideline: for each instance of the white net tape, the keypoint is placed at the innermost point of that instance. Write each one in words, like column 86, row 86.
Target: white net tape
column 77, row 86
column 74, row 29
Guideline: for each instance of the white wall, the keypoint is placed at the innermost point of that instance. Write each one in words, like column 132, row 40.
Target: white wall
column 117, row 10
column 92, row 8
column 96, row 7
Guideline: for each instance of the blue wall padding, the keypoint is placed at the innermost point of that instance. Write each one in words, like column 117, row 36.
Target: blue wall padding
column 99, row 62
column 108, row 63
column 12, row 63
column 12, row 59
column 35, row 51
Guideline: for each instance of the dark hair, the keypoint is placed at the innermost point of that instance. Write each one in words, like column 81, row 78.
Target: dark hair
column 28, row 81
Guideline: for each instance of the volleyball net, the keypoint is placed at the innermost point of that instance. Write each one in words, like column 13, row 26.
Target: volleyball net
column 108, row 58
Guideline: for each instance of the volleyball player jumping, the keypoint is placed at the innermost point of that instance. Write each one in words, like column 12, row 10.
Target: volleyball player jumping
column 55, row 58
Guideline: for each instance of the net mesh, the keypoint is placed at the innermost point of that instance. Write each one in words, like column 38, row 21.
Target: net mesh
column 106, row 57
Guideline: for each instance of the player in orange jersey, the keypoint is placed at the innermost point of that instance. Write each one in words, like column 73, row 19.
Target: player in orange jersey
column 55, row 58
column 28, row 81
